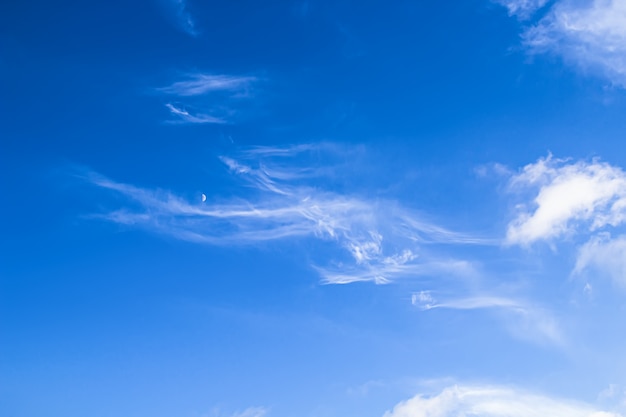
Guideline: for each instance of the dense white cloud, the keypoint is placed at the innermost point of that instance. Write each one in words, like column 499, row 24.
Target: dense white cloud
column 486, row 401
column 601, row 253
column 570, row 201
column 380, row 240
column 570, row 197
column 590, row 35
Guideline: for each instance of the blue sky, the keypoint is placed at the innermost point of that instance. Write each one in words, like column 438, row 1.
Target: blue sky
column 311, row 208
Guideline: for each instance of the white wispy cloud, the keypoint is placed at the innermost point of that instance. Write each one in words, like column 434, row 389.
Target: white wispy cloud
column 197, row 84
column 214, row 96
column 606, row 255
column 522, row 8
column 252, row 412
column 425, row 301
column 591, row 35
column 379, row 240
column 523, row 319
column 183, row 17
column 183, row 116
column 615, row 395
column 492, row 401
column 570, row 197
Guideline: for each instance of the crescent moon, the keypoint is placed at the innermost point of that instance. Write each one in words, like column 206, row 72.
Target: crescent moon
column 203, row 198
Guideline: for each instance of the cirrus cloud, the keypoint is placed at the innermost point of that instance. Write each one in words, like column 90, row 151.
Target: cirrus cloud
column 284, row 198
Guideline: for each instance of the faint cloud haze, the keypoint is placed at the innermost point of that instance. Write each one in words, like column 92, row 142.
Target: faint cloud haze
column 589, row 35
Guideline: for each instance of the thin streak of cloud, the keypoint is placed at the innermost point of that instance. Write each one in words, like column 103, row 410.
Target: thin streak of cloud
column 523, row 320
column 201, row 84
column 185, row 19
column 178, row 14
column 387, row 269
column 425, row 301
column 217, row 95
column 185, row 117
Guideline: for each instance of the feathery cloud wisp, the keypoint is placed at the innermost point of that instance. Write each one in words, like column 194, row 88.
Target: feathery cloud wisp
column 522, row 8
column 605, row 254
column 380, row 240
column 179, row 13
column 524, row 320
column 589, row 35
column 201, row 84
column 185, row 117
column 492, row 401
column 224, row 91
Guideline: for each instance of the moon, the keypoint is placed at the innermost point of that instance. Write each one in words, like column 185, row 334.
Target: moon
column 203, row 198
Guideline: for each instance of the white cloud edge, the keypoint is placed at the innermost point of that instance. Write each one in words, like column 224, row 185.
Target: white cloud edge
column 590, row 36
column 492, row 401
column 522, row 9
column 603, row 253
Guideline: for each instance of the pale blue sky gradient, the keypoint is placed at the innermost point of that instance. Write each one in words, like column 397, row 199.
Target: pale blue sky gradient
column 412, row 208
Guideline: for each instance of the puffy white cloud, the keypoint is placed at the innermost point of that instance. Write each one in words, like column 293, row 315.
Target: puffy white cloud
column 485, row 401
column 584, row 199
column 569, row 196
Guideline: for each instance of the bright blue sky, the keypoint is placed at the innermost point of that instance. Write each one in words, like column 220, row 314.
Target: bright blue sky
column 413, row 209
